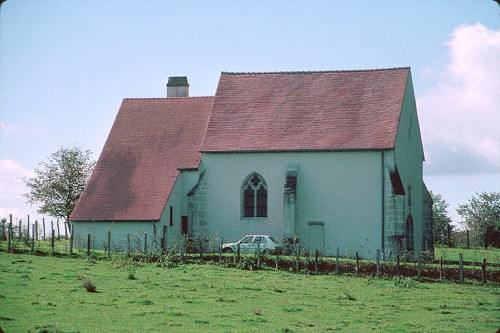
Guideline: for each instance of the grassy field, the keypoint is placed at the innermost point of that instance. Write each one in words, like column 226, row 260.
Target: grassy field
column 37, row 292
column 472, row 255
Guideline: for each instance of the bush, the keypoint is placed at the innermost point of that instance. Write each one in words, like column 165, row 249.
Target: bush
column 131, row 271
column 88, row 284
column 404, row 282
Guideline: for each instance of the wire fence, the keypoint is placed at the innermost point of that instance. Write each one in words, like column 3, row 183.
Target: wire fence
column 154, row 248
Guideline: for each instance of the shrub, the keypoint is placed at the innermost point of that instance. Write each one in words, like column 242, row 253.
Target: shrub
column 348, row 295
column 404, row 282
column 88, row 284
column 131, row 271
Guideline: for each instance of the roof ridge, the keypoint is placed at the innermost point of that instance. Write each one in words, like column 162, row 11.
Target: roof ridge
column 318, row 71
column 160, row 98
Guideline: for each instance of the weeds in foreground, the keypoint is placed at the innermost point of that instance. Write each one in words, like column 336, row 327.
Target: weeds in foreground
column 88, row 284
column 404, row 282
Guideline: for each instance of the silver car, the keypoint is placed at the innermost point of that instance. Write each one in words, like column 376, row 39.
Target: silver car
column 249, row 244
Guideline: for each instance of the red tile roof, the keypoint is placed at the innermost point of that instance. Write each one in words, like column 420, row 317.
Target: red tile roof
column 337, row 110
column 150, row 139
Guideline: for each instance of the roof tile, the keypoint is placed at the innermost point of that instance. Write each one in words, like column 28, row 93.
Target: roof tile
column 150, row 139
column 336, row 110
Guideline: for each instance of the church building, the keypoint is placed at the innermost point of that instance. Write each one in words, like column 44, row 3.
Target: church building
column 328, row 158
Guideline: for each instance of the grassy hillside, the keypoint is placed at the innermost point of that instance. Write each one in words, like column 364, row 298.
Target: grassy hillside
column 43, row 291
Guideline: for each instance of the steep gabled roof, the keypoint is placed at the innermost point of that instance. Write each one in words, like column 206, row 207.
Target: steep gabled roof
column 306, row 111
column 149, row 141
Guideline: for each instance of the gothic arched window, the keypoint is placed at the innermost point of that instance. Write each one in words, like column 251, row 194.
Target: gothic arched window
column 254, row 196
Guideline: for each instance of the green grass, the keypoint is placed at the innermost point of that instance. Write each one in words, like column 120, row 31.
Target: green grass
column 472, row 255
column 43, row 291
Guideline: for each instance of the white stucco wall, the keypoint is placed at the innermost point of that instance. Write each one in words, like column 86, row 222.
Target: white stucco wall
column 340, row 189
column 99, row 235
column 119, row 229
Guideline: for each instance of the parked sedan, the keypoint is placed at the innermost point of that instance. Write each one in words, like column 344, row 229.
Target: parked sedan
column 249, row 244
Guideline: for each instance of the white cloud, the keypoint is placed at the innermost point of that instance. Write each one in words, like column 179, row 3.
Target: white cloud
column 460, row 117
column 35, row 127
column 12, row 188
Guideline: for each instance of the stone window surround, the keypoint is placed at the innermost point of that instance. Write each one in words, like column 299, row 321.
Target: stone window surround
column 244, row 185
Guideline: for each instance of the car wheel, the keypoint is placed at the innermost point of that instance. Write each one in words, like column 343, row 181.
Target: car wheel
column 227, row 250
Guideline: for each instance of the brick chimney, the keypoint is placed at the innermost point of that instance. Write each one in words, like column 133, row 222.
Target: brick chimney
column 178, row 86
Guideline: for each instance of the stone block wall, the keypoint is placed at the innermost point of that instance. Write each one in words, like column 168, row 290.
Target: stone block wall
column 394, row 212
column 197, row 203
column 427, row 241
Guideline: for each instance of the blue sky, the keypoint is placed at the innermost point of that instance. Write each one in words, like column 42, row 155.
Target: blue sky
column 66, row 65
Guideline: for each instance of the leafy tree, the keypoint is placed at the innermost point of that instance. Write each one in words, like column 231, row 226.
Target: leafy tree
column 440, row 219
column 479, row 213
column 59, row 182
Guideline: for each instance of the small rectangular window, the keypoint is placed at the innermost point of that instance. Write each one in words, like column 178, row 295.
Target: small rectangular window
column 171, row 216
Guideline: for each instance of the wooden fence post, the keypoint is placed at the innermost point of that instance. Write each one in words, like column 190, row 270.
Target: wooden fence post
column 71, row 237
column 201, row 249
column 109, row 244
column 88, row 243
column 145, row 242
column 357, row 263
column 28, row 228
column 297, row 262
column 58, row 231
column 128, row 245
column 483, row 267
column 378, row 263
column 316, row 261
column 441, row 268
column 164, row 237
column 33, row 239
column 2, row 235
column 66, row 230
column 20, row 231
column 52, row 241
column 220, row 249
column 460, row 268
column 337, row 262
column 419, row 265
column 398, row 271
column 43, row 224
column 449, row 235
column 36, row 229
column 9, row 234
column 51, row 226
column 238, row 253
column 258, row 255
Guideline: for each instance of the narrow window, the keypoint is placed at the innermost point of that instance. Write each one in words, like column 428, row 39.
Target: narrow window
column 171, row 216
column 254, row 197
column 409, row 195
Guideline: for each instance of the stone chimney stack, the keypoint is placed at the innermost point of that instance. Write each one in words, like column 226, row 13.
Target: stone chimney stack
column 178, row 86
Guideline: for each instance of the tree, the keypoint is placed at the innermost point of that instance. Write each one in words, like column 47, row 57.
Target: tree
column 440, row 219
column 59, row 182
column 480, row 213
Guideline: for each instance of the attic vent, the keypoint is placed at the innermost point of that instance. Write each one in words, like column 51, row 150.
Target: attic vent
column 178, row 86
